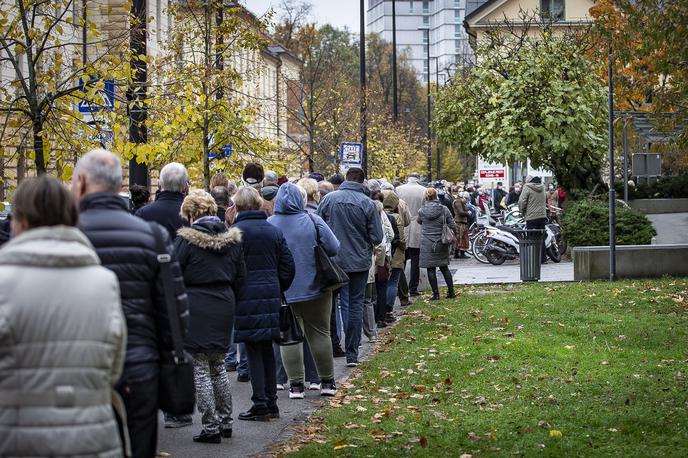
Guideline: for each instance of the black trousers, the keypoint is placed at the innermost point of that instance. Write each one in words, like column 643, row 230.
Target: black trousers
column 380, row 300
column 261, row 368
column 539, row 224
column 334, row 336
column 413, row 254
column 141, row 401
column 432, row 278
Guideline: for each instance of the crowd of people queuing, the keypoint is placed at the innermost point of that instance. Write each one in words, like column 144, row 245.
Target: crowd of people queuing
column 83, row 315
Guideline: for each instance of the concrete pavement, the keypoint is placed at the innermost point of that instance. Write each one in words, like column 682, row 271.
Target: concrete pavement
column 471, row 272
column 671, row 227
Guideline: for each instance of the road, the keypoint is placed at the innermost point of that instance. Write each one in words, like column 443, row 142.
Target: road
column 671, row 227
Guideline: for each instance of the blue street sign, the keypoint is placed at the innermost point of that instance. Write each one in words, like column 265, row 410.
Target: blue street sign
column 351, row 154
column 225, row 151
column 105, row 98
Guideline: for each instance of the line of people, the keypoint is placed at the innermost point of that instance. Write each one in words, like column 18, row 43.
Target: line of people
column 81, row 288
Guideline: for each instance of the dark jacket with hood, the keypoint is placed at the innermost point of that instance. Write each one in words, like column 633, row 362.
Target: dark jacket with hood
column 355, row 221
column 533, row 202
column 432, row 216
column 212, row 263
column 269, row 273
column 298, row 227
column 126, row 245
column 165, row 212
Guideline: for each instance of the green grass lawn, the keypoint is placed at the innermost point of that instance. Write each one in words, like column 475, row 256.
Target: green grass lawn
column 590, row 369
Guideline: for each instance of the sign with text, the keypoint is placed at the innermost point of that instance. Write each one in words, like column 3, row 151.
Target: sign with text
column 491, row 172
column 350, row 155
column 105, row 97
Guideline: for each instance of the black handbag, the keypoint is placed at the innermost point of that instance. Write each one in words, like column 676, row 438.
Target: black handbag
column 290, row 332
column 328, row 275
column 176, row 387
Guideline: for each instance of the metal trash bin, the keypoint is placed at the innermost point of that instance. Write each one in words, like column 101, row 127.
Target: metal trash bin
column 530, row 252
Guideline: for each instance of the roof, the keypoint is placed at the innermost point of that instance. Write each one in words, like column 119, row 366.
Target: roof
column 486, row 5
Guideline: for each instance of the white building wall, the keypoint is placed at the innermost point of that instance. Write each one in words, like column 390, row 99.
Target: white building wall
column 443, row 24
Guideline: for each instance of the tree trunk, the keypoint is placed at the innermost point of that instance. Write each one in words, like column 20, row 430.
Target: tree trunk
column 38, row 146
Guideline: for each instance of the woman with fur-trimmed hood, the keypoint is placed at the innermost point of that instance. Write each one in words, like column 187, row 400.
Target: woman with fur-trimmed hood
column 212, row 262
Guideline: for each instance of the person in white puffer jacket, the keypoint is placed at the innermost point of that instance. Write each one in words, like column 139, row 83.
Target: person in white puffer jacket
column 62, row 332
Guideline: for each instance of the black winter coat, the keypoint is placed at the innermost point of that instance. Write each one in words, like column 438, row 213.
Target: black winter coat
column 212, row 262
column 165, row 212
column 269, row 272
column 126, row 245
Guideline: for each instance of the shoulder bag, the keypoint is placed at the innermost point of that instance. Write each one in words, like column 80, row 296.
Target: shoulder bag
column 328, row 275
column 176, row 389
column 448, row 236
column 290, row 332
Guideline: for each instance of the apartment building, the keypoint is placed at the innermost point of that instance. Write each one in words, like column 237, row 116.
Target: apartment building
column 431, row 31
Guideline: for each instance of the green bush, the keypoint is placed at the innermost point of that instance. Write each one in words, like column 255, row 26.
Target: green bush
column 586, row 223
column 665, row 188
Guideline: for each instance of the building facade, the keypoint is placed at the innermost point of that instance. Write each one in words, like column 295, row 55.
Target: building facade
column 437, row 24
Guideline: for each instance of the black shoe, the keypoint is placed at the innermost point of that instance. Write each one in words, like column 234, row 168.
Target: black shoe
column 208, row 438
column 243, row 378
column 337, row 352
column 351, row 362
column 381, row 324
column 255, row 414
column 451, row 294
column 435, row 297
column 415, row 292
column 463, row 255
column 404, row 302
column 273, row 412
column 180, row 421
column 390, row 318
column 231, row 367
column 226, row 432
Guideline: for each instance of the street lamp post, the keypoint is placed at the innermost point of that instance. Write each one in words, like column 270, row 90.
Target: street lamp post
column 364, row 117
column 429, row 131
column 136, row 94
column 612, row 191
column 395, row 100
column 437, row 88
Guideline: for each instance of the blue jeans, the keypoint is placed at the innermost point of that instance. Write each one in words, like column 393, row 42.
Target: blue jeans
column 352, row 297
column 231, row 358
column 392, row 287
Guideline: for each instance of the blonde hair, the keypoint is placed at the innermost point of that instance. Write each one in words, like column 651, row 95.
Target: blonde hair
column 311, row 187
column 247, row 198
column 430, row 194
column 198, row 204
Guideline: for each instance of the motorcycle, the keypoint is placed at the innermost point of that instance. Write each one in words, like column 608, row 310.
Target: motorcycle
column 502, row 243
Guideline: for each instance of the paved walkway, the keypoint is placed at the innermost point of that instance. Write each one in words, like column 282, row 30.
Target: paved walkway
column 471, row 272
column 670, row 227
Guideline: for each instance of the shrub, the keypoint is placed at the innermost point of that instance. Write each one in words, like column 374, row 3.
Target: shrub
column 586, row 223
column 665, row 188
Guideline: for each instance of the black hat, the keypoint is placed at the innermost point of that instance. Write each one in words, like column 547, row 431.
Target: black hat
column 253, row 174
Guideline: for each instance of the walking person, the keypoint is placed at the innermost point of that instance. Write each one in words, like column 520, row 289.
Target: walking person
column 413, row 194
column 212, row 263
column 269, row 273
column 532, row 205
column 174, row 185
column 432, row 217
column 355, row 222
column 127, row 246
column 62, row 332
column 311, row 306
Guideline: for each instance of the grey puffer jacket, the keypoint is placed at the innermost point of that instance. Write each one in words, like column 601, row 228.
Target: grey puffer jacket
column 62, row 347
column 432, row 216
column 532, row 202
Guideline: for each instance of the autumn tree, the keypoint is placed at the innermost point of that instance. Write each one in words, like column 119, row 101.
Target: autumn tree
column 530, row 97
column 54, row 56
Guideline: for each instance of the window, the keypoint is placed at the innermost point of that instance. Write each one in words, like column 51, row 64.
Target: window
column 457, row 15
column 426, row 6
column 457, row 3
column 426, row 20
column 552, row 9
column 426, row 65
column 457, row 45
column 426, row 36
column 411, row 6
column 457, row 30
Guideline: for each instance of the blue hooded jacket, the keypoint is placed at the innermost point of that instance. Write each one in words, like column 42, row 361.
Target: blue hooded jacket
column 299, row 231
column 356, row 223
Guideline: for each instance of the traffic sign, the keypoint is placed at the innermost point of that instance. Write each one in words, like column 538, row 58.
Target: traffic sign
column 492, row 173
column 105, row 98
column 225, row 151
column 350, row 155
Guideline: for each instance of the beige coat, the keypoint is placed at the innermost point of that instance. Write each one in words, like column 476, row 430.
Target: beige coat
column 62, row 346
column 412, row 193
column 531, row 204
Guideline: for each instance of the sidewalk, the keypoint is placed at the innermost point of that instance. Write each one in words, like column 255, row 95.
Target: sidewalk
column 250, row 438
column 471, row 272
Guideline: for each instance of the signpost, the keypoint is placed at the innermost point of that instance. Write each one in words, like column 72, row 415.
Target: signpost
column 350, row 155
column 106, row 96
column 490, row 172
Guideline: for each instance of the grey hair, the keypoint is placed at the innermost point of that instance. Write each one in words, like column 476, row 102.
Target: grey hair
column 173, row 177
column 247, row 198
column 102, row 168
column 270, row 178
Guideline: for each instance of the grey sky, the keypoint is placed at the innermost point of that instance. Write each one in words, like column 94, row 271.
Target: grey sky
column 339, row 13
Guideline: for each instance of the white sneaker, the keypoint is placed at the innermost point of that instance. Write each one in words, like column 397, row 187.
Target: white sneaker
column 296, row 392
column 314, row 386
column 280, row 387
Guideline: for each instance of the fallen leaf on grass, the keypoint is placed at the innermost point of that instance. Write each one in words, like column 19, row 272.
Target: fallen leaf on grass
column 555, row 433
column 423, row 442
column 361, row 409
column 613, row 430
column 419, row 388
column 474, row 437
column 466, row 455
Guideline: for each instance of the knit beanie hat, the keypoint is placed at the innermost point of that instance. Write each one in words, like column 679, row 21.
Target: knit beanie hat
column 253, row 175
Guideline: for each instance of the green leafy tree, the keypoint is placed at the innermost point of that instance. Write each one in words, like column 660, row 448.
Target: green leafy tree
column 531, row 96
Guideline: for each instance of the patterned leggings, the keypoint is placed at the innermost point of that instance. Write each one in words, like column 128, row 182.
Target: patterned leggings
column 213, row 397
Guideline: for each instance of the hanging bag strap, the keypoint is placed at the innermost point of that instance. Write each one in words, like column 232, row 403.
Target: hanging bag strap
column 317, row 231
column 165, row 260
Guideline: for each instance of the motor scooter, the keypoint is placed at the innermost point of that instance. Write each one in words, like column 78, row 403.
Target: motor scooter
column 502, row 243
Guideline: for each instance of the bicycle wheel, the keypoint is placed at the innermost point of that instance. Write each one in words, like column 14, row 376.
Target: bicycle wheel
column 479, row 249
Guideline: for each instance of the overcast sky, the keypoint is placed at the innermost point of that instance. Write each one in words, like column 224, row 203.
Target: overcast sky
column 339, row 13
